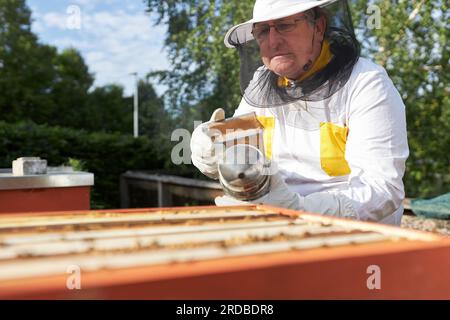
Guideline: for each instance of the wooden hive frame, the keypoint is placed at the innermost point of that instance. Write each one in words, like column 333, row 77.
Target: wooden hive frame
column 248, row 252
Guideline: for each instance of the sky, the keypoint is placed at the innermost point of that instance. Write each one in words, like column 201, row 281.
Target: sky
column 115, row 37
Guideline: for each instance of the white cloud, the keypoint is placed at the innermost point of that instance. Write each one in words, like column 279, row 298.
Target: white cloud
column 90, row 5
column 54, row 20
column 114, row 42
column 95, row 56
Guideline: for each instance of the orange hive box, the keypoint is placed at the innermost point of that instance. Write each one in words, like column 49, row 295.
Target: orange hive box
column 248, row 252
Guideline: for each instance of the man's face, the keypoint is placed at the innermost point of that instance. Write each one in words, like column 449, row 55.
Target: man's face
column 287, row 50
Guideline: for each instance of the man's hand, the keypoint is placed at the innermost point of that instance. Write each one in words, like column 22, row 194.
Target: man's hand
column 202, row 147
column 278, row 196
column 328, row 203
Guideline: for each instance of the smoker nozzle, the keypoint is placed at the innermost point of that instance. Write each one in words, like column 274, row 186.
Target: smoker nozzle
column 243, row 172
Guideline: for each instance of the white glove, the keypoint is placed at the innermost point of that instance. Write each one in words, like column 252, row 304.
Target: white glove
column 332, row 204
column 278, row 196
column 202, row 147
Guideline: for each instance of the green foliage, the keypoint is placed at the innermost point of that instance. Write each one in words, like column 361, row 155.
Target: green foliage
column 155, row 122
column 76, row 164
column 107, row 111
column 105, row 155
column 40, row 84
column 205, row 75
column 68, row 91
column 412, row 44
column 25, row 65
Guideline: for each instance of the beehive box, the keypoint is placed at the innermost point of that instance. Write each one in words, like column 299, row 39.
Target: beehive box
column 248, row 252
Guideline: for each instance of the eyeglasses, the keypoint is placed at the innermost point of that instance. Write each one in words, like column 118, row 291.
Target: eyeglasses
column 261, row 31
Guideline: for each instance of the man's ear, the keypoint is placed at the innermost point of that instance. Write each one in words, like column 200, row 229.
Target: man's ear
column 321, row 26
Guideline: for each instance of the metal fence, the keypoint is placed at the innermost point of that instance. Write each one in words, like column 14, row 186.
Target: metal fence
column 144, row 189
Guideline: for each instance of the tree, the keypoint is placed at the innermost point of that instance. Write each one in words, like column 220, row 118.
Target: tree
column 411, row 43
column 108, row 111
column 69, row 91
column 26, row 71
column 37, row 82
column 204, row 74
column 154, row 118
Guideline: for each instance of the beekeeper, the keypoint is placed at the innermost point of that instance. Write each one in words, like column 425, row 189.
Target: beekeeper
column 334, row 122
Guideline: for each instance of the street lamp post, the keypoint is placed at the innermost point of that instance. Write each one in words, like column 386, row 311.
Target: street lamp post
column 136, row 107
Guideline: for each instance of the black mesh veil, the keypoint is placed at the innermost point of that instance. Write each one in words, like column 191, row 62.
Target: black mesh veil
column 260, row 86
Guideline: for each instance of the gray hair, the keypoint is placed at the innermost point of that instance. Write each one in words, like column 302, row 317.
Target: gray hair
column 313, row 14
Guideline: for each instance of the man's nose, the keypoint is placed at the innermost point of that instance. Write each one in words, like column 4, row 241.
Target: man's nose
column 274, row 37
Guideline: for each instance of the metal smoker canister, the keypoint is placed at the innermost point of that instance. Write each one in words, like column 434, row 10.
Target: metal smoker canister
column 243, row 172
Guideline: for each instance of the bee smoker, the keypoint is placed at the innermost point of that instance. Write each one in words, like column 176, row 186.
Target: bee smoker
column 243, row 172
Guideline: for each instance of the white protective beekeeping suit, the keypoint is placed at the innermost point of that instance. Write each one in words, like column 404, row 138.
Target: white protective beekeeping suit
column 363, row 180
column 338, row 138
